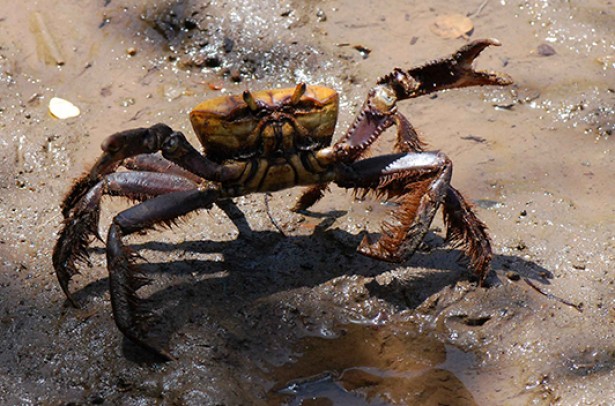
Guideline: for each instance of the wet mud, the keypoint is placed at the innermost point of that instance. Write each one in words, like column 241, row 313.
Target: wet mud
column 281, row 310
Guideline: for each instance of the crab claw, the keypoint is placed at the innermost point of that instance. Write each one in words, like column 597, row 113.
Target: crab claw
column 447, row 73
column 115, row 148
column 467, row 76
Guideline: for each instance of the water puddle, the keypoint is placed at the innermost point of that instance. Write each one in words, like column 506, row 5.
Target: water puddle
column 373, row 365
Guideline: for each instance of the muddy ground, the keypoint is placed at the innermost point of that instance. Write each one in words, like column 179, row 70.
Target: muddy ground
column 294, row 316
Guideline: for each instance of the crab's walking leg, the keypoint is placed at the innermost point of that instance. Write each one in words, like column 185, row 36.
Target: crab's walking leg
column 157, row 163
column 419, row 182
column 126, row 144
column 125, row 277
column 464, row 228
column 82, row 223
column 82, row 204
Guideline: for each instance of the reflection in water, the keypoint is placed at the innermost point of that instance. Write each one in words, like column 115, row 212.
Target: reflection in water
column 373, row 365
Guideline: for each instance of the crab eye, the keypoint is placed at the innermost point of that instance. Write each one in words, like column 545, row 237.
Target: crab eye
column 112, row 144
column 299, row 91
column 171, row 144
column 250, row 101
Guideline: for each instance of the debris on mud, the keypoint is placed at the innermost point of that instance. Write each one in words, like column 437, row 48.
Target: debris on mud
column 239, row 39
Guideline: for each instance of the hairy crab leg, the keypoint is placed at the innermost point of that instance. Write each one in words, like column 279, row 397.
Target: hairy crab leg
column 125, row 144
column 462, row 224
column 157, row 163
column 82, row 224
column 81, row 205
column 420, row 183
column 125, row 277
column 466, row 229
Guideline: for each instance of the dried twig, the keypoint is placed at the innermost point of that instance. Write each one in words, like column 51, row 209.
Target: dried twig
column 479, row 9
column 551, row 296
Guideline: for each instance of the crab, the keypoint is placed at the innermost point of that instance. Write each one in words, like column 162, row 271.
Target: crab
column 265, row 141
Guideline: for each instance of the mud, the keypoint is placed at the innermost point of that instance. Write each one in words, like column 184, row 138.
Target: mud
column 261, row 315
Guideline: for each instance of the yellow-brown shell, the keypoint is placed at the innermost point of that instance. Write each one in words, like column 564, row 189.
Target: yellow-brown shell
column 228, row 128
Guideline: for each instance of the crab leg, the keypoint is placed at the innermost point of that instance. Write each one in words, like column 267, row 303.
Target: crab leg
column 156, row 163
column 466, row 229
column 419, row 182
column 82, row 223
column 81, row 205
column 126, row 144
column 116, row 148
column 124, row 276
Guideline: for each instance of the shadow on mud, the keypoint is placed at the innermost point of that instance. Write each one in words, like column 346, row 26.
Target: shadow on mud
column 259, row 264
column 222, row 289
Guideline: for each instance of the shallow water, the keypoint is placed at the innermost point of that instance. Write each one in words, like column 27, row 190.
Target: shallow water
column 374, row 365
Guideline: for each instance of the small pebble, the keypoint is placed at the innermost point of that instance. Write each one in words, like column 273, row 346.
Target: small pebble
column 545, row 50
column 131, row 51
column 513, row 276
column 321, row 16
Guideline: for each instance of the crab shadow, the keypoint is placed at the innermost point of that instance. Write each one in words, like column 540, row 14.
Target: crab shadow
column 219, row 276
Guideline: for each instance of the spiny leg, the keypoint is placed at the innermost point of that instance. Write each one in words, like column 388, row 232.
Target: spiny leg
column 464, row 228
column 82, row 223
column 129, row 143
column 157, row 163
column 407, row 138
column 462, row 224
column 417, row 181
column 125, row 278
column 309, row 197
column 420, row 182
column 80, row 206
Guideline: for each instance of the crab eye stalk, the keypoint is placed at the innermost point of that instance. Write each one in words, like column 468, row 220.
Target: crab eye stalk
column 250, row 101
column 299, row 91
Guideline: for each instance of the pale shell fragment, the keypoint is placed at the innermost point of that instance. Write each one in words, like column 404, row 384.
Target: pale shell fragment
column 62, row 109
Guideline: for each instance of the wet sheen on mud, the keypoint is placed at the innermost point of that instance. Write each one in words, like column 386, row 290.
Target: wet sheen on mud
column 365, row 364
